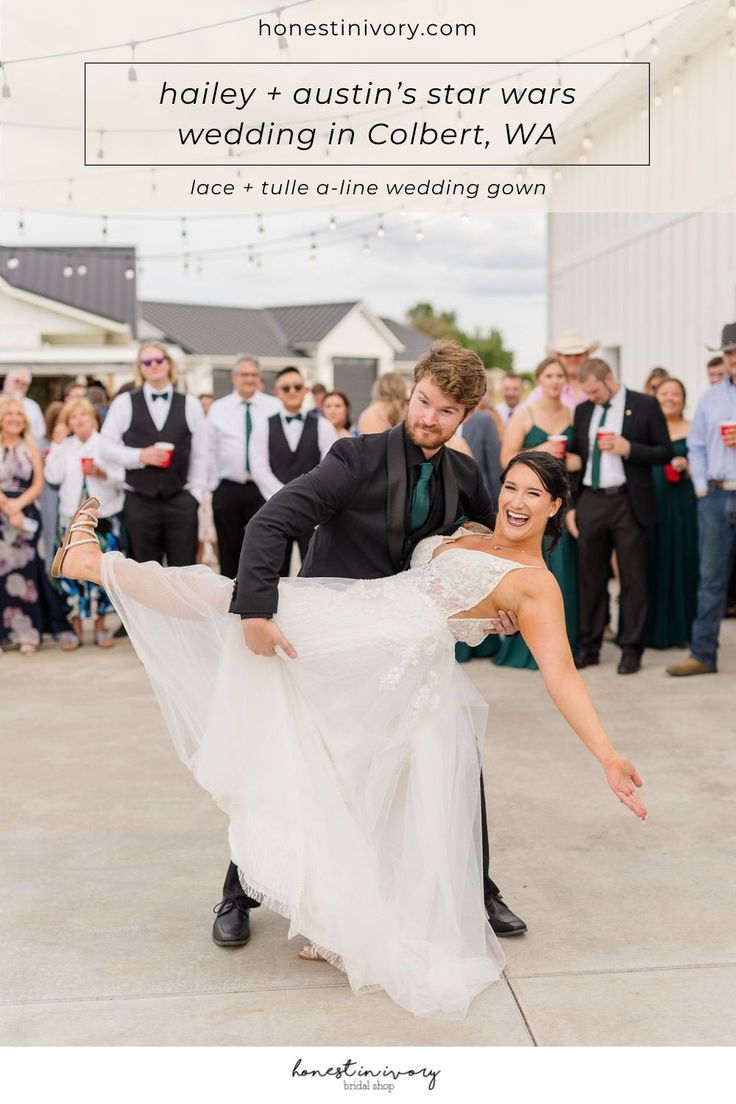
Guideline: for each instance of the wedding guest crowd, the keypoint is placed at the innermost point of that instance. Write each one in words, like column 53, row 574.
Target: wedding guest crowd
column 180, row 477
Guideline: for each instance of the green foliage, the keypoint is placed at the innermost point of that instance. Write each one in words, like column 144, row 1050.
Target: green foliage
column 443, row 324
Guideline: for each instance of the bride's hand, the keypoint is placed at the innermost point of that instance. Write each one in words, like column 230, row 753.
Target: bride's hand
column 622, row 777
column 506, row 622
column 262, row 636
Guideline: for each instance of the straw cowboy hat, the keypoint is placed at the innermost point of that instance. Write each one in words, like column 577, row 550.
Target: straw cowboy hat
column 572, row 343
column 728, row 339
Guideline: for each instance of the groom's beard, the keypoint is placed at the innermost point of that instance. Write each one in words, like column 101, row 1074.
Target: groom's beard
column 425, row 438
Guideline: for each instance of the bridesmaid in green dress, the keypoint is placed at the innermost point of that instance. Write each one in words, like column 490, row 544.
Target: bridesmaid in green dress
column 673, row 557
column 530, row 428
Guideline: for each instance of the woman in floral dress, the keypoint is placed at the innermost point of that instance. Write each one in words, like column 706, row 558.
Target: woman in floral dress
column 24, row 590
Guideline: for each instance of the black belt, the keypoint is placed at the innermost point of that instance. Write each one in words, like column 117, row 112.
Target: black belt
column 609, row 492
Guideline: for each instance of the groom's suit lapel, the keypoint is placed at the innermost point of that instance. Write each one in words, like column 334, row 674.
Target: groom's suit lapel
column 449, row 484
column 396, row 498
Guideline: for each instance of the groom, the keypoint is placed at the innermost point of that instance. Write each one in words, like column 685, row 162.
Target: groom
column 372, row 500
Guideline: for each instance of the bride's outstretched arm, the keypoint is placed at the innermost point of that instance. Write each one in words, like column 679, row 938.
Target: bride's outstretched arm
column 541, row 618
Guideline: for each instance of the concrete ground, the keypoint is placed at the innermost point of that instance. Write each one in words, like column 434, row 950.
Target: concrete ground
column 112, row 858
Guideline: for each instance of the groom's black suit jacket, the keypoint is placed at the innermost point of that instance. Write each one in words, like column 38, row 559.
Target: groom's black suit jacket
column 359, row 497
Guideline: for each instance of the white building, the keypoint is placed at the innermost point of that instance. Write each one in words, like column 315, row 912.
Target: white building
column 655, row 288
column 69, row 312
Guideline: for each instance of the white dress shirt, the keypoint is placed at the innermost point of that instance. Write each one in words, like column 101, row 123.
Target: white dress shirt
column 35, row 418
column 612, row 472
column 117, row 422
column 226, row 435
column 260, row 467
column 64, row 467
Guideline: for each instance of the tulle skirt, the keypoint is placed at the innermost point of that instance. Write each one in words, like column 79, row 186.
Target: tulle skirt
column 350, row 775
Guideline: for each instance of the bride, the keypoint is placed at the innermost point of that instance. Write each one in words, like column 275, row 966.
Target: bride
column 349, row 765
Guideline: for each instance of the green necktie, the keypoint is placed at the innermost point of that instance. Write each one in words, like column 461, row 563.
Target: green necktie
column 248, row 430
column 595, row 470
column 420, row 497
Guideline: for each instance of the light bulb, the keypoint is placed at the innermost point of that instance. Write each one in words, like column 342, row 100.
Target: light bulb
column 67, row 271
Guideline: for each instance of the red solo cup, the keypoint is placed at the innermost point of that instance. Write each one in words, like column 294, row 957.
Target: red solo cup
column 725, row 427
column 559, row 443
column 167, row 445
column 605, row 435
column 672, row 475
column 87, row 465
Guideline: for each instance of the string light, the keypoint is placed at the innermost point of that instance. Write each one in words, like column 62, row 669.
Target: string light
column 70, row 193
column 185, row 264
column 380, row 232
column 464, row 217
column 153, row 180
column 313, row 249
column 731, row 12
column 731, row 45
column 261, row 227
column 67, row 271
column 419, row 234
column 132, row 74
column 626, row 47
column 129, row 273
column 643, row 112
column 332, row 223
column 101, row 151
column 183, row 229
column 676, row 87
column 21, row 224
column 557, row 175
column 657, row 98
column 12, row 262
column 6, row 86
column 104, row 227
column 587, row 142
column 583, row 159
column 366, row 248
column 81, row 270
column 653, row 45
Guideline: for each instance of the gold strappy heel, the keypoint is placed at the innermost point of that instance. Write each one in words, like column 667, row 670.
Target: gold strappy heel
column 77, row 525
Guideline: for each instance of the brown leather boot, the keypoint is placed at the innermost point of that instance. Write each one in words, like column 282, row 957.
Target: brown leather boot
column 691, row 666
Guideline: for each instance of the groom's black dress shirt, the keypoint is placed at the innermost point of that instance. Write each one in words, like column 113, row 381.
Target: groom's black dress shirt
column 359, row 498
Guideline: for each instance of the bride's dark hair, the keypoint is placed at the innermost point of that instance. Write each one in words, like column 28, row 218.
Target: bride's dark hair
column 552, row 474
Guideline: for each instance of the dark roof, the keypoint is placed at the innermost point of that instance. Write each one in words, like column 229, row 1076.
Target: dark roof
column 223, row 331
column 103, row 290
column 303, row 325
column 414, row 341
column 262, row 332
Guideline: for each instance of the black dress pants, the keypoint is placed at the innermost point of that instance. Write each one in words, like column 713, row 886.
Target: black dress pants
column 233, row 891
column 303, row 543
column 233, row 505
column 162, row 528
column 606, row 522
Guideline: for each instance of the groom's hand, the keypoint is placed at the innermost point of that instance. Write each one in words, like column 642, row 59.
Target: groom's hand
column 263, row 636
column 507, row 622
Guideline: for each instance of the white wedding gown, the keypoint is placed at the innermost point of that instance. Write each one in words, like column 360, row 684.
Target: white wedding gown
column 350, row 775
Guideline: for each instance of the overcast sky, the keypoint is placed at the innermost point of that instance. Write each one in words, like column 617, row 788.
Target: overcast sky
column 489, row 269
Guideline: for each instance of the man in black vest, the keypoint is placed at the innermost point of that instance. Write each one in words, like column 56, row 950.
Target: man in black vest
column 288, row 445
column 374, row 498
column 163, row 488
column 619, row 436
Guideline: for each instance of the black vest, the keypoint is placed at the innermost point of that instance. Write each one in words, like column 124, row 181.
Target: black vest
column 159, row 482
column 285, row 464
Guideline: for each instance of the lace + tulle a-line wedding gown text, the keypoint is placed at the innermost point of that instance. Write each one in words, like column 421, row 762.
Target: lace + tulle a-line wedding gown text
column 350, row 775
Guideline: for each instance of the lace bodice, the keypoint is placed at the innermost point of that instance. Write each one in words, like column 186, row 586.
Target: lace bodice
column 458, row 580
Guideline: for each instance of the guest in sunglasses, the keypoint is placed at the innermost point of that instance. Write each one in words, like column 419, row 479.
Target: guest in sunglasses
column 288, row 445
column 158, row 435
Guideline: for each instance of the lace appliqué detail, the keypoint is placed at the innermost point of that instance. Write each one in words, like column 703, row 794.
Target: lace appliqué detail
column 470, row 630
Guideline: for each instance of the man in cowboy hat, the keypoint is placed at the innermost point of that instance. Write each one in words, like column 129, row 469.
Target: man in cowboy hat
column 711, row 446
column 572, row 350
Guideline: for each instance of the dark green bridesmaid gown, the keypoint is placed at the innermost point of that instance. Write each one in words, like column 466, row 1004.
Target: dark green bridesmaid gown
column 511, row 651
column 673, row 560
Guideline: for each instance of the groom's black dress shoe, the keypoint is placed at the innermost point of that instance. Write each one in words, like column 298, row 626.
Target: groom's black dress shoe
column 501, row 918
column 232, row 926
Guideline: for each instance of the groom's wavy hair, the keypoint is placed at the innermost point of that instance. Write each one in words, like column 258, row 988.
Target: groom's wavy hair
column 552, row 474
column 458, row 372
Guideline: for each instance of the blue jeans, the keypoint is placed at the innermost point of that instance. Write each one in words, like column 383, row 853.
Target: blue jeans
column 717, row 548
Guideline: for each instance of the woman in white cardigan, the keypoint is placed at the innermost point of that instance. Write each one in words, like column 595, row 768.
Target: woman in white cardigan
column 74, row 465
